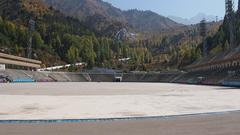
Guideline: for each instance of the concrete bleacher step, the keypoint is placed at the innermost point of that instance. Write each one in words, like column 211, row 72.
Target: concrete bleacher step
column 59, row 77
column 176, row 78
column 87, row 77
column 18, row 76
column 42, row 77
column 77, row 77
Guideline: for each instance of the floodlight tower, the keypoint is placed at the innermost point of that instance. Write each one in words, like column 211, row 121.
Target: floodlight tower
column 9, row 8
column 230, row 19
column 238, row 6
column 3, row 7
column 229, row 7
column 31, row 28
column 203, row 33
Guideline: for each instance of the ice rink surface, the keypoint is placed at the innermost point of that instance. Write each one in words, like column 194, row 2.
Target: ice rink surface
column 110, row 100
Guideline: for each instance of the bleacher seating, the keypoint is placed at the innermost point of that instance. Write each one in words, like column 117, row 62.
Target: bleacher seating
column 76, row 77
column 149, row 77
column 39, row 76
column 233, row 80
column 59, row 77
column 132, row 77
column 228, row 77
column 18, row 76
column 208, row 77
column 102, row 77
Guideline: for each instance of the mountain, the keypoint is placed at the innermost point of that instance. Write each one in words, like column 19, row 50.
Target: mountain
column 148, row 21
column 193, row 20
column 85, row 8
column 140, row 21
column 180, row 20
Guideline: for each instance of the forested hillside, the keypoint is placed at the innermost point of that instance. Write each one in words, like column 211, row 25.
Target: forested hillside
column 177, row 48
column 59, row 39
column 220, row 42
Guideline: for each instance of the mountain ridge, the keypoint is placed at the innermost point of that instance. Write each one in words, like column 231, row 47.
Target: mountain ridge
column 193, row 20
column 138, row 20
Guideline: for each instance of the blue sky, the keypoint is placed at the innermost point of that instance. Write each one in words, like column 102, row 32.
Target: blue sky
column 181, row 8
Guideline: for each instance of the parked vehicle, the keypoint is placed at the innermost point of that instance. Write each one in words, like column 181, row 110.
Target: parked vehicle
column 4, row 79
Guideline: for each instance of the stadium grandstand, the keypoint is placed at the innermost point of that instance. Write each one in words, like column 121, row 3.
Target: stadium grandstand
column 222, row 69
column 11, row 61
column 94, row 75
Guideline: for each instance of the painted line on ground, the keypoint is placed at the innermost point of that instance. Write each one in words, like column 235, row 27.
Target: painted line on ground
column 109, row 119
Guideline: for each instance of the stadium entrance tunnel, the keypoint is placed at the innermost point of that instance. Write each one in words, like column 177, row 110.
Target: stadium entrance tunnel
column 118, row 79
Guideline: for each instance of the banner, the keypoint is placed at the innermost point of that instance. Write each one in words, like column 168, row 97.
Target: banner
column 2, row 67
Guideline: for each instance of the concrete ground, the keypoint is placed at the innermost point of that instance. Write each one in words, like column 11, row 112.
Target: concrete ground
column 218, row 124
column 107, row 100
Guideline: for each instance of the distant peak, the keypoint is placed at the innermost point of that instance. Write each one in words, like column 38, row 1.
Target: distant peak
column 193, row 20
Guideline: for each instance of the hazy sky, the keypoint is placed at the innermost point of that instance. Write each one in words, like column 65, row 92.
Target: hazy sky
column 181, row 8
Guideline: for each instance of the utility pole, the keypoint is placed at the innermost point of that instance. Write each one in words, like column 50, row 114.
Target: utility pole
column 31, row 28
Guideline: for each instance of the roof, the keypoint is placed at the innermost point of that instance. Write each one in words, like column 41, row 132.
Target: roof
column 19, row 61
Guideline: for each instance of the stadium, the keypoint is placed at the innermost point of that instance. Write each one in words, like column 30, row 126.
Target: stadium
column 87, row 67
column 108, row 99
